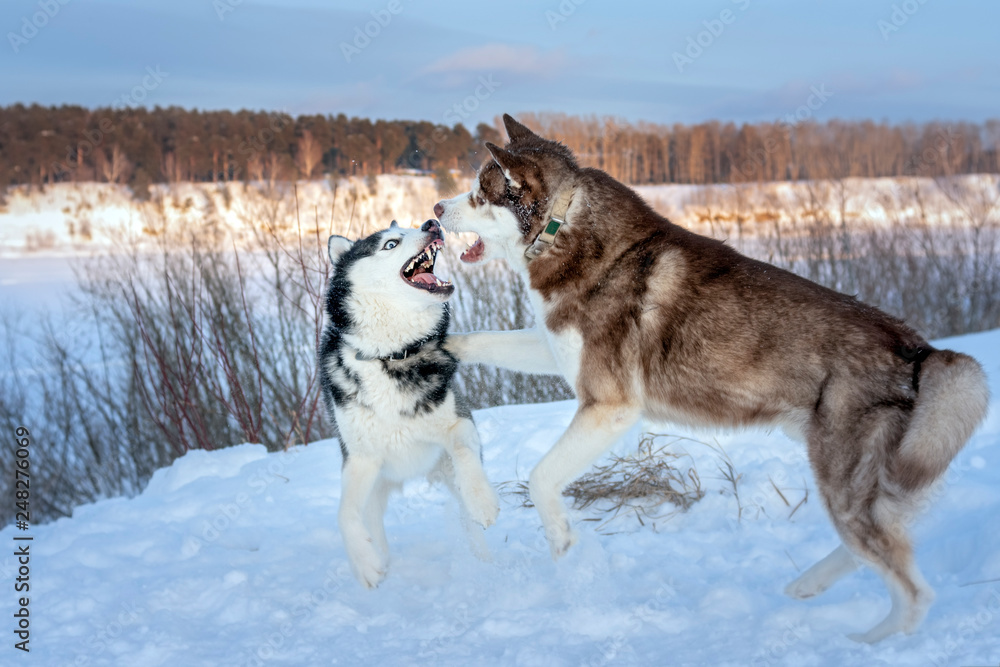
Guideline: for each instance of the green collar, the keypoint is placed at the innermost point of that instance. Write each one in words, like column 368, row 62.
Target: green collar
column 547, row 237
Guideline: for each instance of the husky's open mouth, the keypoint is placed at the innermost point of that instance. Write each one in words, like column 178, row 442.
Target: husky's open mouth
column 419, row 270
column 474, row 252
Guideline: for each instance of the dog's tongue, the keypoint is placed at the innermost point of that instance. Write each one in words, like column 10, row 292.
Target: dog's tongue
column 474, row 253
column 425, row 278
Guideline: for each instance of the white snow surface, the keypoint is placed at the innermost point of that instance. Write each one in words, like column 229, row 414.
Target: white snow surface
column 53, row 221
column 233, row 557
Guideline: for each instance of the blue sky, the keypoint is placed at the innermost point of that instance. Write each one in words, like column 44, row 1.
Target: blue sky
column 757, row 60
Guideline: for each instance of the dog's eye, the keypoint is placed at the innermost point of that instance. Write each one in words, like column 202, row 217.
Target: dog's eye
column 390, row 244
column 480, row 201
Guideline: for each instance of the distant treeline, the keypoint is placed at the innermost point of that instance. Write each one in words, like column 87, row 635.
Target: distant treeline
column 40, row 145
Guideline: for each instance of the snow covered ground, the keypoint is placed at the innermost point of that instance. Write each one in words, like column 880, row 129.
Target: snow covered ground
column 79, row 218
column 233, row 557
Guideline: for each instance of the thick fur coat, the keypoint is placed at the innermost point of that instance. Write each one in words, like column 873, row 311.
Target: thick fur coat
column 386, row 379
column 645, row 318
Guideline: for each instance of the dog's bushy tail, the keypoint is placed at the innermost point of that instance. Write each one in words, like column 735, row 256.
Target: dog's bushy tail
column 952, row 401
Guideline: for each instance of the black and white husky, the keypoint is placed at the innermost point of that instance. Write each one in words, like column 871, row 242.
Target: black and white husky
column 387, row 382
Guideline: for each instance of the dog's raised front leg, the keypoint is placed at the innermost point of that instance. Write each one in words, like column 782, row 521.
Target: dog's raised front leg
column 592, row 432
column 358, row 480
column 474, row 489
column 445, row 472
column 375, row 515
column 523, row 350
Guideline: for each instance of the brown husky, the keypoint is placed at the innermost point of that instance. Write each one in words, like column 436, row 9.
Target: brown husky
column 645, row 318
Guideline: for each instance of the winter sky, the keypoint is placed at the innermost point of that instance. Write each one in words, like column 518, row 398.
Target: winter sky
column 757, row 59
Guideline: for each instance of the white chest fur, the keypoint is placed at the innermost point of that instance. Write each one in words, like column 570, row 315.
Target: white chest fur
column 566, row 345
column 379, row 424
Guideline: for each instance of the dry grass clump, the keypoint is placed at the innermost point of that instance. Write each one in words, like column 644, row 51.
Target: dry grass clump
column 639, row 484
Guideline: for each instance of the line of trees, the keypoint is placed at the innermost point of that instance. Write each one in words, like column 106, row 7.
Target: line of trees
column 136, row 147
column 40, row 145
column 715, row 152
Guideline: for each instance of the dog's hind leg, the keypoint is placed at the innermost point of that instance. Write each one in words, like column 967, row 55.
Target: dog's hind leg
column 839, row 563
column 871, row 522
column 592, row 432
column 359, row 478
column 881, row 540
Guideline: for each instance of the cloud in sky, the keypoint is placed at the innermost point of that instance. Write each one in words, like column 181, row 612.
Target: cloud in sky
column 516, row 59
column 605, row 58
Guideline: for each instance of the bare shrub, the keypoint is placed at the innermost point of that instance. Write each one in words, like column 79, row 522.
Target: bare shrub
column 445, row 182
column 932, row 258
column 205, row 336
column 638, row 484
column 226, row 337
column 89, row 441
column 193, row 343
column 40, row 240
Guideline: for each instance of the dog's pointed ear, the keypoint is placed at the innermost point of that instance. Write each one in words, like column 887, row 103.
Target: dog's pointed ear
column 509, row 163
column 336, row 246
column 516, row 131
column 394, row 224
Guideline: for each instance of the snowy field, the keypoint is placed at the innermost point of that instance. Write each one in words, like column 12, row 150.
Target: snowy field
column 80, row 218
column 233, row 557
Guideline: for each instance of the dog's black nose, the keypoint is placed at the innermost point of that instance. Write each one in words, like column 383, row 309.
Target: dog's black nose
column 431, row 226
column 438, row 209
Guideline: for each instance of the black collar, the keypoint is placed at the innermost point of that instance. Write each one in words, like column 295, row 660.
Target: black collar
column 396, row 356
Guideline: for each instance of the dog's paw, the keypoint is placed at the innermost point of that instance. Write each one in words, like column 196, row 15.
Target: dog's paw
column 482, row 505
column 455, row 344
column 370, row 574
column 805, row 587
column 561, row 537
column 904, row 617
column 368, row 566
column 873, row 636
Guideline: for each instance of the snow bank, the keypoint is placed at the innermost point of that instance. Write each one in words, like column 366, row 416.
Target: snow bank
column 82, row 218
column 233, row 557
column 70, row 218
